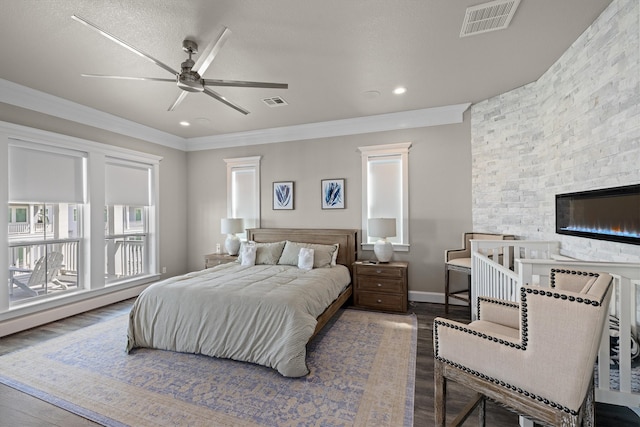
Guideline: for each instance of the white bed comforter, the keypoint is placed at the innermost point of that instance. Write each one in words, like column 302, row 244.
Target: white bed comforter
column 263, row 314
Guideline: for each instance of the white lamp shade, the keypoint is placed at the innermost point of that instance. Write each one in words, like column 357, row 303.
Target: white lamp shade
column 382, row 227
column 231, row 225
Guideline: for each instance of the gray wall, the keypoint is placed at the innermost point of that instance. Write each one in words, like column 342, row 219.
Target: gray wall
column 173, row 177
column 576, row 128
column 439, row 186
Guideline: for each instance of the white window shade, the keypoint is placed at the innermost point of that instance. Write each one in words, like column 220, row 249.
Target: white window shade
column 245, row 193
column 385, row 182
column 127, row 184
column 45, row 176
column 385, row 187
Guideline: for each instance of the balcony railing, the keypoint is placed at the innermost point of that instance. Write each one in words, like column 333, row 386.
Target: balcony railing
column 124, row 257
column 26, row 228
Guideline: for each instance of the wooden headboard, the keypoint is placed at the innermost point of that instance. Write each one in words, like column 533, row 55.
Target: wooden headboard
column 347, row 238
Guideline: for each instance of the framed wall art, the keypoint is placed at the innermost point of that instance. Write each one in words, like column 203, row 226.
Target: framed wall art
column 333, row 194
column 283, row 195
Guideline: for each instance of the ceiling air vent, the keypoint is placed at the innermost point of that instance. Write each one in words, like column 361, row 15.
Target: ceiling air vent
column 486, row 17
column 276, row 101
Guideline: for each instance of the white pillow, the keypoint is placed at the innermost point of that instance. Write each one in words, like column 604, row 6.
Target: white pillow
column 248, row 255
column 334, row 257
column 305, row 259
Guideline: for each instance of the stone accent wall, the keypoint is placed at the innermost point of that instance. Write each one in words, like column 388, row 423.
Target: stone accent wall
column 577, row 128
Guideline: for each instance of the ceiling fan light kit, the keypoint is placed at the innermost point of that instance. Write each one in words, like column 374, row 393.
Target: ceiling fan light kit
column 189, row 79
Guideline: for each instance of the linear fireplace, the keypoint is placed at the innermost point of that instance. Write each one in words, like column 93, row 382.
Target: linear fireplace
column 607, row 214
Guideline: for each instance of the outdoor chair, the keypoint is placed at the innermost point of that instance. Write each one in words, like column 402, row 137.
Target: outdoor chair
column 44, row 272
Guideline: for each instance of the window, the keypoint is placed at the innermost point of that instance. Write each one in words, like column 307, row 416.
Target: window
column 46, row 187
column 76, row 209
column 385, row 190
column 127, row 195
column 243, row 191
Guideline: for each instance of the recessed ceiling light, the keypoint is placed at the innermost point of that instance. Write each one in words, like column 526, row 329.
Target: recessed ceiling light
column 185, row 123
column 400, row 90
column 203, row 121
column 370, row 94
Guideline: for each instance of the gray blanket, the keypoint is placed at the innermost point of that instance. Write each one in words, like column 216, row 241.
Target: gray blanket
column 263, row 314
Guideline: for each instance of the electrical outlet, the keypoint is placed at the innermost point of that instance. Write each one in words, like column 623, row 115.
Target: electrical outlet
column 164, row 270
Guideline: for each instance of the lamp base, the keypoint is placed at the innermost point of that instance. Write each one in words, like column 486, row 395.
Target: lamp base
column 383, row 250
column 232, row 244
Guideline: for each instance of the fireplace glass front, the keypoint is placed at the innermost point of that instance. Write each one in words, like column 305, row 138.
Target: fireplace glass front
column 607, row 214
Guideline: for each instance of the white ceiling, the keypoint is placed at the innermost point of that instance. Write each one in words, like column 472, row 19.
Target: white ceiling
column 330, row 52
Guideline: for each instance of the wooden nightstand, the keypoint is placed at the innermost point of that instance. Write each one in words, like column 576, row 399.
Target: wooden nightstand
column 381, row 287
column 211, row 260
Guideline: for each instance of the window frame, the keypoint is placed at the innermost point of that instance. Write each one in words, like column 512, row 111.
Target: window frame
column 91, row 256
column 371, row 153
column 243, row 163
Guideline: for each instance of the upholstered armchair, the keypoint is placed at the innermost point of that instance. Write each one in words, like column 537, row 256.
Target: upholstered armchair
column 460, row 260
column 535, row 357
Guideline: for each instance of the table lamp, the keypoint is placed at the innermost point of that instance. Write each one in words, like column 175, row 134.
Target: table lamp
column 382, row 228
column 231, row 226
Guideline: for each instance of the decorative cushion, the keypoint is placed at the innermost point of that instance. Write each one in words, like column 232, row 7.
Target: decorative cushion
column 266, row 253
column 247, row 254
column 305, row 259
column 322, row 257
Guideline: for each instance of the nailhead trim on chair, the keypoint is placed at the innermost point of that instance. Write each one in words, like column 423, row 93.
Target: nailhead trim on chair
column 524, row 290
column 478, row 334
column 552, row 276
column 497, row 302
column 508, row 386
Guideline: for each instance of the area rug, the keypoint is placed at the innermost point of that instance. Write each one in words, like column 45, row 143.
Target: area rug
column 362, row 374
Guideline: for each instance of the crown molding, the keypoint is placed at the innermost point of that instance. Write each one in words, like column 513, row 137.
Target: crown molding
column 35, row 100
column 435, row 116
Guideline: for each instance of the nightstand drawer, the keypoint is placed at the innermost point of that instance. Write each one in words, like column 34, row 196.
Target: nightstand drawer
column 381, row 301
column 380, row 271
column 382, row 287
column 380, row 284
column 212, row 260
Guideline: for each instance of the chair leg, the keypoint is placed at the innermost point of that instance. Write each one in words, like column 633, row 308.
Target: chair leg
column 446, row 290
column 588, row 408
column 440, row 395
column 482, row 406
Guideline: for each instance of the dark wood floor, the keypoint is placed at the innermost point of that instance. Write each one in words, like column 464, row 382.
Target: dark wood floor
column 19, row 409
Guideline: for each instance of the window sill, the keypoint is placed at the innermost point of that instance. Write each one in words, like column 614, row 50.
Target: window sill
column 35, row 307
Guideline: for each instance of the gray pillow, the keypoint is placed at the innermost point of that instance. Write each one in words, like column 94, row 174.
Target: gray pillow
column 322, row 254
column 266, row 253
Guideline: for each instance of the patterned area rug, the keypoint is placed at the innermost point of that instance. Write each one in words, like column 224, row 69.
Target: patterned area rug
column 362, row 374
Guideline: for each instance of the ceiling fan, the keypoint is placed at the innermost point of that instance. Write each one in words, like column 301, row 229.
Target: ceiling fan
column 189, row 79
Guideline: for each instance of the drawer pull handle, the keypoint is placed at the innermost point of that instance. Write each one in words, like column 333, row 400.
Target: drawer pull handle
column 379, row 301
column 378, row 271
column 379, row 285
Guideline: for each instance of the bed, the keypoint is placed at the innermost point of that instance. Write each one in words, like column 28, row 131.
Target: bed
column 263, row 314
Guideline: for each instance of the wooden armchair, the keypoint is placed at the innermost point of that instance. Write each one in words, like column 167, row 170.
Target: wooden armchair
column 535, row 357
column 460, row 260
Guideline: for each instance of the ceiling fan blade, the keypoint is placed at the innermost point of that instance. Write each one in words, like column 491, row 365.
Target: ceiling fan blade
column 225, row 101
column 179, row 99
column 103, row 76
column 124, row 44
column 240, row 83
column 210, row 52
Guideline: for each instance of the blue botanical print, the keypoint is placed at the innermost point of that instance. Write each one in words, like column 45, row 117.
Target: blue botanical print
column 332, row 194
column 283, row 195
